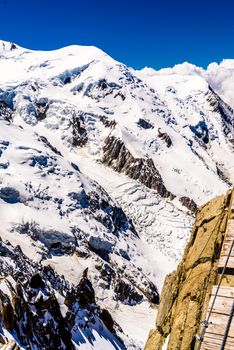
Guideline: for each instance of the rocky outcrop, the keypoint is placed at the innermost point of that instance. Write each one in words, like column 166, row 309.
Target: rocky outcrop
column 41, row 310
column 79, row 132
column 41, row 107
column 5, row 112
column 183, row 297
column 165, row 137
column 102, row 88
column 106, row 122
column 201, row 132
column 118, row 157
column 189, row 204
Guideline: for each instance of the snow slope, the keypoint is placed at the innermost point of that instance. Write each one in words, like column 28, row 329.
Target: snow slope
column 102, row 167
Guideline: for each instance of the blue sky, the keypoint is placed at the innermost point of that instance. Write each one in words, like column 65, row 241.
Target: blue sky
column 140, row 33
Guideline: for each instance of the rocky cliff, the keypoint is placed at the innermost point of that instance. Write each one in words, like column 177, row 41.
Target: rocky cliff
column 40, row 310
column 185, row 292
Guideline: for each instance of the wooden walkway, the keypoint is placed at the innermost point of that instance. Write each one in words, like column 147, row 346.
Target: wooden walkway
column 218, row 320
column 221, row 312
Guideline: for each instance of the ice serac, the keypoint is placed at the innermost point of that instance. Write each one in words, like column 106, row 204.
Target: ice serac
column 185, row 291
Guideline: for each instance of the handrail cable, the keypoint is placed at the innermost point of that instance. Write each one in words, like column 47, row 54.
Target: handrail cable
column 227, row 327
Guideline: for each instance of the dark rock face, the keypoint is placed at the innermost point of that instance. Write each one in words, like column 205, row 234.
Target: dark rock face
column 128, row 289
column 13, row 46
column 45, row 333
column 107, row 319
column 110, row 216
column 67, row 80
column 37, row 282
column 126, row 294
column 79, row 133
column 101, row 247
column 7, row 312
column 31, row 310
column 106, row 122
column 165, row 137
column 41, row 107
column 48, row 144
column 120, row 159
column 201, row 131
column 5, row 112
column 102, row 88
column 85, row 291
column 189, row 203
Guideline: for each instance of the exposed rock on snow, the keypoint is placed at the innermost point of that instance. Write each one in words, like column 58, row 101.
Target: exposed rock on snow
column 42, row 311
column 189, row 203
column 120, row 159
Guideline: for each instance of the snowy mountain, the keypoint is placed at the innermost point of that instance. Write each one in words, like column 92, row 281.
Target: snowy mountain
column 103, row 167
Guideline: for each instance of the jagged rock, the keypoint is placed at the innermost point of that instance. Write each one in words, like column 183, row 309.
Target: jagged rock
column 102, row 88
column 189, row 203
column 112, row 217
column 42, row 107
column 165, row 137
column 107, row 123
column 13, row 46
column 79, row 133
column 201, row 131
column 126, row 294
column 120, row 159
column 48, row 144
column 85, row 291
column 183, row 297
column 30, row 306
column 5, row 111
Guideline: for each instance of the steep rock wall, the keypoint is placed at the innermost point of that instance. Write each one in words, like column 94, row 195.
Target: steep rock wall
column 116, row 155
column 184, row 295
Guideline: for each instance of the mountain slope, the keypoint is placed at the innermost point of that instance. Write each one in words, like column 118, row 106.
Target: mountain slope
column 102, row 167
